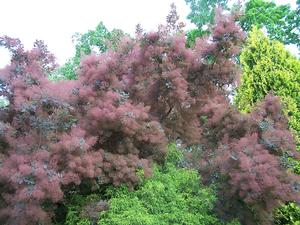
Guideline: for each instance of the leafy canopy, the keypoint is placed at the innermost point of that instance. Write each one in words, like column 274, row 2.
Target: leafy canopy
column 280, row 21
column 203, row 11
column 115, row 120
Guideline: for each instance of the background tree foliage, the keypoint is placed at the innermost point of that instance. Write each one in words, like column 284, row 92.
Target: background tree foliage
column 202, row 15
column 95, row 41
column 281, row 22
column 203, row 11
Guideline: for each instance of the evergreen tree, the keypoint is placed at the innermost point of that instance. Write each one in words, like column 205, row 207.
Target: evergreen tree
column 269, row 67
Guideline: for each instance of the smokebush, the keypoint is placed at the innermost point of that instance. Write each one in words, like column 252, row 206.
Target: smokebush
column 247, row 153
column 115, row 121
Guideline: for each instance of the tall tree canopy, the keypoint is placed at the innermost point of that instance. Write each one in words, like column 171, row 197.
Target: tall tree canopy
column 203, row 11
column 281, row 22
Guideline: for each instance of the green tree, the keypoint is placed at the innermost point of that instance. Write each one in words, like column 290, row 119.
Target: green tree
column 203, row 11
column 269, row 67
column 281, row 22
column 202, row 14
column 288, row 214
column 98, row 41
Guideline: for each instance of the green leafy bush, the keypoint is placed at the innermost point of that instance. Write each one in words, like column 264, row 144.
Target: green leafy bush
column 172, row 196
column 288, row 214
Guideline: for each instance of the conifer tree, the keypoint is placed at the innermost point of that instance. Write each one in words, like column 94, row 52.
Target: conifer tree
column 269, row 67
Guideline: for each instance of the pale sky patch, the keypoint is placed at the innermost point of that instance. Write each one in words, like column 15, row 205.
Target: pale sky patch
column 56, row 21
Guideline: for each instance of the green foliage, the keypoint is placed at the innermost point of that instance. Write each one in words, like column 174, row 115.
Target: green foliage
column 98, row 41
column 65, row 72
column 101, row 38
column 269, row 67
column 172, row 196
column 279, row 21
column 174, row 155
column 192, row 35
column 75, row 207
column 203, row 11
column 288, row 214
column 72, row 218
column 297, row 18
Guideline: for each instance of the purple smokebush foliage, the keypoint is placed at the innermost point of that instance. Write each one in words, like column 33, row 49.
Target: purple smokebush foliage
column 55, row 135
column 248, row 153
column 119, row 115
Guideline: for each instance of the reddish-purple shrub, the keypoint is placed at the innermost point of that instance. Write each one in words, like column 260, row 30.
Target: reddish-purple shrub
column 28, row 181
column 247, row 152
column 158, row 70
column 55, row 135
column 120, row 113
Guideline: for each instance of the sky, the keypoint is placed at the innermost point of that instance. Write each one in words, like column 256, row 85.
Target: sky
column 55, row 21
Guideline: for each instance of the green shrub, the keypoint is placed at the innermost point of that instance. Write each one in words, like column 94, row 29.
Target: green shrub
column 288, row 214
column 171, row 196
